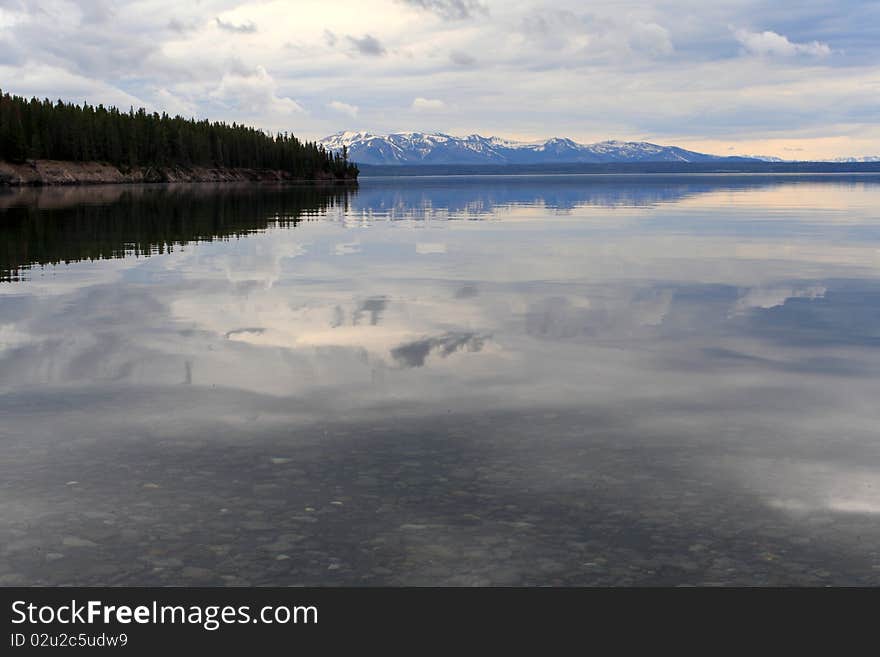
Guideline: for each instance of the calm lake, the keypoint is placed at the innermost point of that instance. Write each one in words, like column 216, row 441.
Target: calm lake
column 559, row 380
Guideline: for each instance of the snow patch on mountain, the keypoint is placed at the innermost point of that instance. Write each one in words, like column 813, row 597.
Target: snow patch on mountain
column 865, row 158
column 441, row 148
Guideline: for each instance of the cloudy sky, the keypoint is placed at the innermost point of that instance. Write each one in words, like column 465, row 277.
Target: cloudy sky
column 797, row 79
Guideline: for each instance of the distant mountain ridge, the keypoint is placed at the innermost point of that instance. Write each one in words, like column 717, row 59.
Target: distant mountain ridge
column 439, row 148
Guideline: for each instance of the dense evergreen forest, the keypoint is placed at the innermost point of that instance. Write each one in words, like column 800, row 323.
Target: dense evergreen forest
column 145, row 220
column 41, row 129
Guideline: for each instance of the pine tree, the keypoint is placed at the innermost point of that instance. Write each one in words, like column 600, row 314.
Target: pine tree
column 65, row 131
column 15, row 143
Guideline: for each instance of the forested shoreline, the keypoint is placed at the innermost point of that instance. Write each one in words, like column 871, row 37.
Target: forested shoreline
column 33, row 129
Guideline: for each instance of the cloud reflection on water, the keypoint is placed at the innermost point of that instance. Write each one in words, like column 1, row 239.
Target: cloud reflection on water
column 624, row 350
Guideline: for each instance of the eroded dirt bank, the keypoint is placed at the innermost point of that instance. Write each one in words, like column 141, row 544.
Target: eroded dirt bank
column 55, row 172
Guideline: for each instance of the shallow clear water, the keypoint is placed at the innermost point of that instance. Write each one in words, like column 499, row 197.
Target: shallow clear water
column 534, row 380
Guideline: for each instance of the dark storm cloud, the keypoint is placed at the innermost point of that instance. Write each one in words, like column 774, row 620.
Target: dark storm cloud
column 368, row 45
column 450, row 9
column 373, row 307
column 256, row 330
column 467, row 292
column 414, row 354
column 461, row 58
column 244, row 28
column 179, row 26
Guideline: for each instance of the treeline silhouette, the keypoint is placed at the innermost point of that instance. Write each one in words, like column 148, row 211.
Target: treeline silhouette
column 41, row 227
column 41, row 129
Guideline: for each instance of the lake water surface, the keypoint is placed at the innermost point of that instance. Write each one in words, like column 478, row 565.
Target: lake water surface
column 599, row 380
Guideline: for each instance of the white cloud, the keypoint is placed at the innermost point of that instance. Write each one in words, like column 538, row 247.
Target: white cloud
column 428, row 104
column 254, row 93
column 651, row 38
column 53, row 82
column 7, row 19
column 173, row 104
column 762, row 297
column 343, row 108
column 670, row 71
column 771, row 43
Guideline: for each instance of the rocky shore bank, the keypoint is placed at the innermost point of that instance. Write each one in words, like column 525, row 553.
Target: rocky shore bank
column 55, row 172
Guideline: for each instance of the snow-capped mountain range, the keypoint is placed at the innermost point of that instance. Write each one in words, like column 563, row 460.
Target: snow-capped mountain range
column 439, row 148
